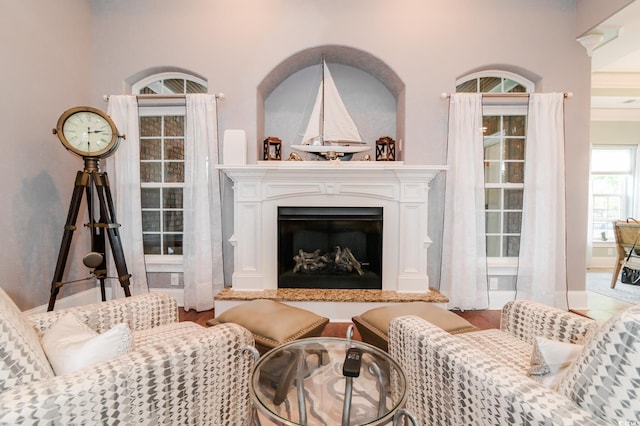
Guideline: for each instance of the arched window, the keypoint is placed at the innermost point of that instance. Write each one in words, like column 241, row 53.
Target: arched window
column 504, row 127
column 162, row 135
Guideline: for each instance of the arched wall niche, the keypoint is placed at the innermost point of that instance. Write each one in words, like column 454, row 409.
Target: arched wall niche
column 342, row 57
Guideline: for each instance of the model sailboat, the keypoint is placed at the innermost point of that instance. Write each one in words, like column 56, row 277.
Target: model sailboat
column 331, row 131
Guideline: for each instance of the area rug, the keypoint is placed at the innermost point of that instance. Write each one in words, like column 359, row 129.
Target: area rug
column 600, row 282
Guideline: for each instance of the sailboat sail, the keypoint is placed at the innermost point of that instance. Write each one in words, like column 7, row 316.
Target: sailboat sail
column 330, row 122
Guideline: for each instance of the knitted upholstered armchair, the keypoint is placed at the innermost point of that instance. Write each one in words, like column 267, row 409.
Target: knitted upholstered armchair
column 482, row 378
column 175, row 373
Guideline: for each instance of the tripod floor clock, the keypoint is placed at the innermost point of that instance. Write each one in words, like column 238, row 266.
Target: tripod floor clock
column 91, row 134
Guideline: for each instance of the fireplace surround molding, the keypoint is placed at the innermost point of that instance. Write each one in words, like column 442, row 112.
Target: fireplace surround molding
column 401, row 190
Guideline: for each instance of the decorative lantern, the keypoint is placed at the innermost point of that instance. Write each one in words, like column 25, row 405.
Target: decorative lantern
column 272, row 149
column 385, row 149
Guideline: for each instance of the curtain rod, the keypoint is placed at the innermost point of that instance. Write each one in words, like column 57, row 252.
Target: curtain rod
column 167, row 96
column 444, row 95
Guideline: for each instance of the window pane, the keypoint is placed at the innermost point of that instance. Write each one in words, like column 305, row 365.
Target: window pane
column 150, row 126
column 173, row 244
column 172, row 198
column 514, row 149
column 150, row 221
column 491, row 124
column 513, row 199
column 493, row 199
column 173, row 221
column 511, row 86
column 493, row 246
column 148, row 91
column 174, row 125
column 193, row 87
column 174, row 172
column 492, row 148
column 150, row 172
column 514, row 172
column 512, row 222
column 150, row 149
column 514, row 125
column 151, row 243
column 611, row 160
column 492, row 173
column 174, row 85
column 174, row 149
column 491, row 84
column 493, row 223
column 150, row 198
column 470, row 86
column 511, row 246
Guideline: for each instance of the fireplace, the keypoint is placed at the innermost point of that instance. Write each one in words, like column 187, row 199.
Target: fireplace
column 331, row 247
column 262, row 190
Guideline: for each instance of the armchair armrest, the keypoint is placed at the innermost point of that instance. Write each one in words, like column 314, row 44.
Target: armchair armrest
column 139, row 312
column 451, row 382
column 526, row 320
column 194, row 378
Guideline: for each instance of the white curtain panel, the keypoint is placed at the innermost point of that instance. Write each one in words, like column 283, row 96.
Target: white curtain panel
column 123, row 169
column 542, row 274
column 464, row 259
column 203, row 274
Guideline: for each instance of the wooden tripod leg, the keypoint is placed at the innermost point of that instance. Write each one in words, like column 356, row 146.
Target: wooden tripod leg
column 107, row 213
column 82, row 181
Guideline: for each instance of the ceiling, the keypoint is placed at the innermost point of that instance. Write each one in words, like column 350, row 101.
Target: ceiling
column 615, row 63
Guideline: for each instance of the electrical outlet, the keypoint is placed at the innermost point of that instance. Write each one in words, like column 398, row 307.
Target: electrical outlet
column 493, row 283
column 175, row 279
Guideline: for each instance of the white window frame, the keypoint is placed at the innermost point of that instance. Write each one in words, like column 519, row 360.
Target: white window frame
column 629, row 199
column 502, row 261
column 506, row 266
column 163, row 262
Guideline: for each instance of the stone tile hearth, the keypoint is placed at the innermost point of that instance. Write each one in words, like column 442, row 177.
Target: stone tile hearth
column 337, row 305
column 327, row 295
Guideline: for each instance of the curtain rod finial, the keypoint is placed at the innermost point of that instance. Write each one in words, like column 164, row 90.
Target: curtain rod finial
column 220, row 96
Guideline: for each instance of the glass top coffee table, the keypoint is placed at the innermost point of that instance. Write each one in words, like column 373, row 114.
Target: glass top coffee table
column 306, row 382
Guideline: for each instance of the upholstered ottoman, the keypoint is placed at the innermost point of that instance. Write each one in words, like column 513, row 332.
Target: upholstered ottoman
column 373, row 325
column 273, row 323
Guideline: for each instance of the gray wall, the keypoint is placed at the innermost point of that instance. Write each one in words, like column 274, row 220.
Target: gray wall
column 47, row 68
column 71, row 52
column 428, row 44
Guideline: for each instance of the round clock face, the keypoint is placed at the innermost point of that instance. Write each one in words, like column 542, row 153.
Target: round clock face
column 88, row 132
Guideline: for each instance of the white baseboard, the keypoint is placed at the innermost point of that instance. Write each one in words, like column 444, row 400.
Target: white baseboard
column 93, row 296
column 176, row 293
column 78, row 299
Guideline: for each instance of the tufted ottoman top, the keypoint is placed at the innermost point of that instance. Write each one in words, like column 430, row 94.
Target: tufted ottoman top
column 273, row 323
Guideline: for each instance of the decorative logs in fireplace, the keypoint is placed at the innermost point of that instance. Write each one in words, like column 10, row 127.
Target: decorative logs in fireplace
column 330, row 247
column 339, row 260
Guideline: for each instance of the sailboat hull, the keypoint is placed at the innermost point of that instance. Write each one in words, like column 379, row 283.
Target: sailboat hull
column 323, row 149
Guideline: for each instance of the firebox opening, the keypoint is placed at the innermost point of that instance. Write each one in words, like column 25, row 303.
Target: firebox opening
column 330, row 247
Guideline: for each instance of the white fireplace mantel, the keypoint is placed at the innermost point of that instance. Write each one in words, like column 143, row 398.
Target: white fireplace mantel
column 401, row 190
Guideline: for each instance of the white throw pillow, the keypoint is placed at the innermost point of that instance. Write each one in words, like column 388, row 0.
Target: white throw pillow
column 551, row 360
column 71, row 345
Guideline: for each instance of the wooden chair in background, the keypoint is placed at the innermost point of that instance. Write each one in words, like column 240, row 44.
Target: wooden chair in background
column 626, row 233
